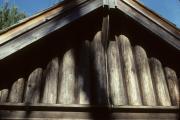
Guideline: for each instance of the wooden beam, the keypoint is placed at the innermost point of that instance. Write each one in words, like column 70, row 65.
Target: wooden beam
column 128, row 9
column 48, row 27
column 57, row 111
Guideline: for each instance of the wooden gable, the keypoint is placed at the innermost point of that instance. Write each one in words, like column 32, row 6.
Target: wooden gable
column 103, row 62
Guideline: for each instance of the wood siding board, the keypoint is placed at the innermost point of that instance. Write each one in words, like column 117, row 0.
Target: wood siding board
column 160, row 84
column 144, row 75
column 33, row 87
column 17, row 91
column 99, row 70
column 173, row 85
column 129, row 70
column 67, row 81
column 4, row 95
column 83, row 74
column 51, row 82
column 117, row 89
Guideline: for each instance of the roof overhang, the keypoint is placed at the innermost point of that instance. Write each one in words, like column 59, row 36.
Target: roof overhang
column 42, row 24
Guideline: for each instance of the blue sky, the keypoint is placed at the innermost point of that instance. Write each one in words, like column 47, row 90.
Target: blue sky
column 170, row 9
column 31, row 7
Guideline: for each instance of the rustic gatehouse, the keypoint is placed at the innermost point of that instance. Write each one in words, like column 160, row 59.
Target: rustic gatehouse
column 90, row 59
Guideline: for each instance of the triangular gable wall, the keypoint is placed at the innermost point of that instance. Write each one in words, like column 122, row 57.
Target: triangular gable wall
column 95, row 60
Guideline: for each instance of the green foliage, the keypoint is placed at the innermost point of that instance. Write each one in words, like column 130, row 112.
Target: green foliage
column 9, row 15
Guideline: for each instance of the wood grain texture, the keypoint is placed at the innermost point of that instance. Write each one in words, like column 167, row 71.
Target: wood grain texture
column 33, row 88
column 67, row 83
column 99, row 70
column 160, row 84
column 83, row 74
column 118, row 95
column 144, row 76
column 173, row 86
column 129, row 70
column 51, row 82
column 4, row 95
column 17, row 90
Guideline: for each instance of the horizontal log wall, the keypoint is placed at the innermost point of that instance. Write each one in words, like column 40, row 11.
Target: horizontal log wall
column 80, row 77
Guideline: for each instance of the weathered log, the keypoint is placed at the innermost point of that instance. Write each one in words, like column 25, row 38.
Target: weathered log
column 144, row 76
column 160, row 84
column 173, row 86
column 16, row 93
column 129, row 71
column 4, row 95
column 51, row 82
column 83, row 74
column 67, row 81
column 100, row 95
column 33, row 87
column 118, row 95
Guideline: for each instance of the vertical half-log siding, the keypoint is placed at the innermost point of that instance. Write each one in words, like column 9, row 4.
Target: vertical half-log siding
column 4, row 95
column 67, row 81
column 83, row 74
column 160, row 84
column 51, row 82
column 117, row 89
column 129, row 71
column 33, row 87
column 144, row 76
column 99, row 70
column 92, row 74
column 173, row 86
column 17, row 90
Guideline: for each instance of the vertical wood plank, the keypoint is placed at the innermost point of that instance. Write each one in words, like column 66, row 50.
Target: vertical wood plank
column 0, row 95
column 100, row 95
column 118, row 95
column 33, row 87
column 51, row 82
column 67, row 83
column 4, row 95
column 163, row 97
column 17, row 90
column 83, row 74
column 144, row 75
column 129, row 70
column 173, row 86
column 105, row 31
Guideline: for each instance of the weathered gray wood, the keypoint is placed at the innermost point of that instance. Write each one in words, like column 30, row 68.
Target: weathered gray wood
column 154, row 25
column 67, row 81
column 144, row 76
column 33, row 87
column 100, row 95
column 51, row 82
column 4, row 95
column 83, row 74
column 160, row 84
column 173, row 86
column 83, row 113
column 118, row 95
column 129, row 70
column 17, row 90
column 0, row 95
column 58, row 21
